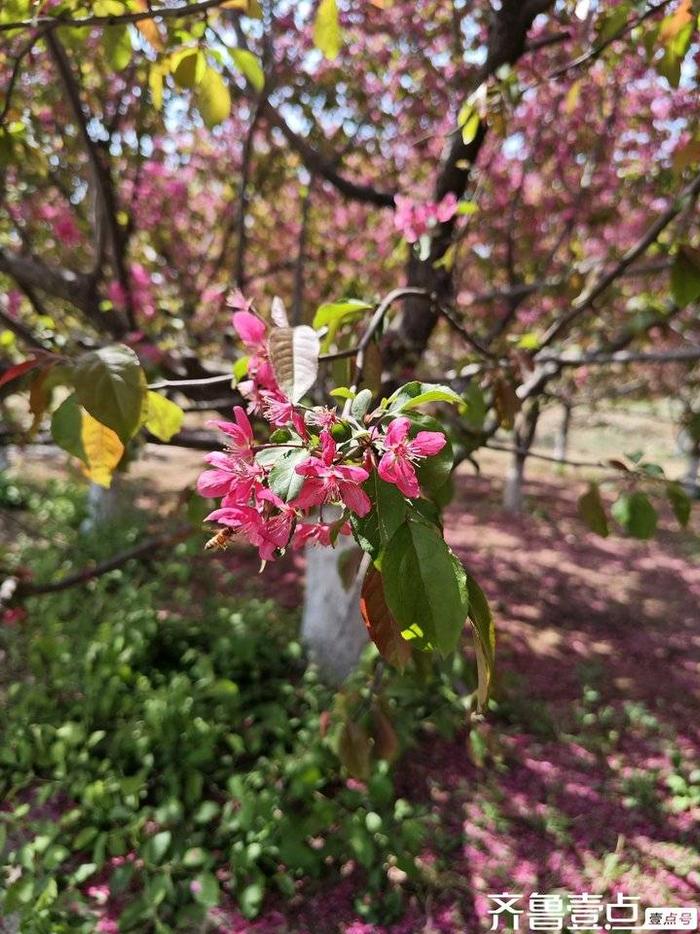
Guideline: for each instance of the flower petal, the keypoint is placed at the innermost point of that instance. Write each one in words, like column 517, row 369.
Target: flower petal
column 397, row 431
column 313, row 493
column 355, row 498
column 400, row 472
column 427, row 443
column 214, row 483
column 249, row 327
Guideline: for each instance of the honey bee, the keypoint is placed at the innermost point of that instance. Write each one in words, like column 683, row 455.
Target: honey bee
column 221, row 540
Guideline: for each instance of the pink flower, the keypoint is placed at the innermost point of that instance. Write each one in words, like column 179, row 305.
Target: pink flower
column 447, row 208
column 329, row 482
column 400, row 453
column 116, row 294
column 323, row 417
column 235, row 473
column 240, row 433
column 318, row 533
column 279, row 411
column 250, row 329
column 269, row 533
column 238, row 301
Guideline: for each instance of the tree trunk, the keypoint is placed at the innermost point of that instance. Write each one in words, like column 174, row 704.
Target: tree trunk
column 332, row 628
column 102, row 506
column 561, row 444
column 513, row 500
column 690, row 481
column 523, row 436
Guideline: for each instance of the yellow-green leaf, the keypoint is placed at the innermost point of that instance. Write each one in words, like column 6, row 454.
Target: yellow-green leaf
column 163, row 417
column 188, row 68
column 250, row 66
column 213, row 98
column 103, row 450
column 327, row 35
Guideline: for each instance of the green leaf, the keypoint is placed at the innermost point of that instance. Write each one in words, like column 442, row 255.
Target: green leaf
column 332, row 312
column 117, row 46
column 680, row 503
column 251, row 899
column 416, row 393
column 47, row 896
column 342, row 392
column 425, row 585
column 434, row 473
column 635, row 514
column 374, row 530
column 157, row 846
column 213, row 98
column 361, row 404
column 476, row 407
column 250, row 66
column 283, row 478
column 205, row 889
column 111, row 386
column 685, row 276
column 612, row 21
column 484, row 637
column 240, row 368
column 592, row 511
column 164, row 417
column 327, row 35
column 67, row 428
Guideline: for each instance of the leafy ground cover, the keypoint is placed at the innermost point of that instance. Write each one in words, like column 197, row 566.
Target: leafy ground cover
column 583, row 776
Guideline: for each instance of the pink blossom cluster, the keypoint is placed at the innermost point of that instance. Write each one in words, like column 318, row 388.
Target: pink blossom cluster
column 338, row 453
column 415, row 218
column 141, row 287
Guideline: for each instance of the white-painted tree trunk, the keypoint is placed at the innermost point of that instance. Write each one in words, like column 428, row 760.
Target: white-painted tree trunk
column 102, row 505
column 332, row 628
column 513, row 499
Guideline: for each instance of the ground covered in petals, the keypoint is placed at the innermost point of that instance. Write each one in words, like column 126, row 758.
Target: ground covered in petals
column 584, row 775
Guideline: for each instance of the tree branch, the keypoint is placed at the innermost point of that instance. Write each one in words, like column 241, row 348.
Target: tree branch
column 325, row 167
column 55, row 22
column 589, row 295
column 107, row 214
column 28, row 589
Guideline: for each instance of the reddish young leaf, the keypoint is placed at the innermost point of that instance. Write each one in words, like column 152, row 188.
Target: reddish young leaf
column 19, row 369
column 383, row 629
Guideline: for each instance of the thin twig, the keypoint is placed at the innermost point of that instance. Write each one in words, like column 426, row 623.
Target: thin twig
column 207, row 381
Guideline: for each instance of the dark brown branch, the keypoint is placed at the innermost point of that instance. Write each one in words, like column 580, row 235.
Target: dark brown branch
column 142, row 551
column 107, row 213
column 55, row 22
column 25, row 334
column 585, row 301
column 509, row 27
column 73, row 287
column 325, row 167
